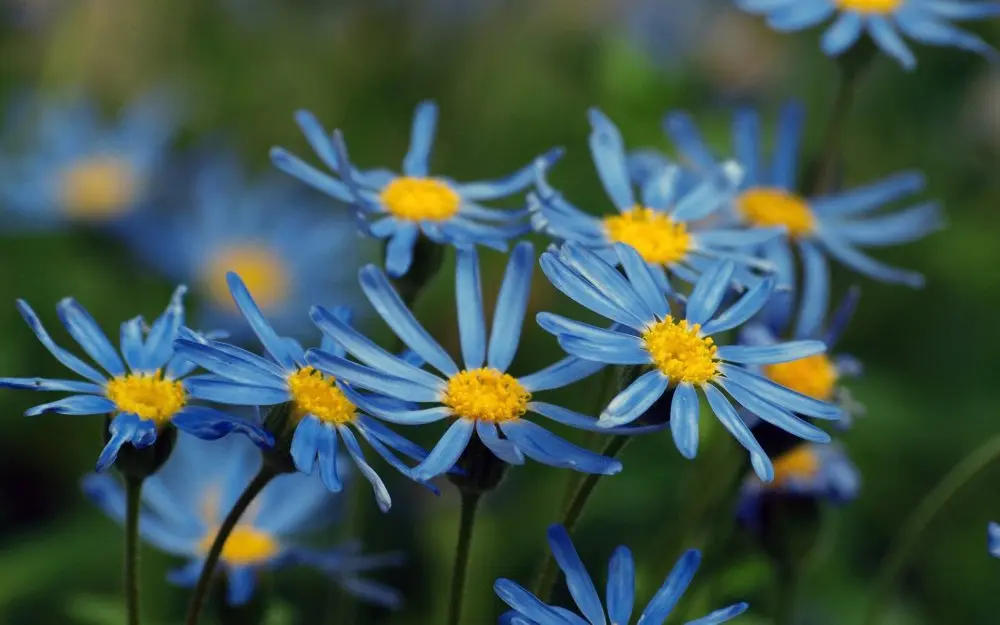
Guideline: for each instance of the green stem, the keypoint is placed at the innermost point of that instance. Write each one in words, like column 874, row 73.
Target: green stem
column 787, row 591
column 937, row 500
column 133, row 493
column 263, row 477
column 572, row 513
column 470, row 503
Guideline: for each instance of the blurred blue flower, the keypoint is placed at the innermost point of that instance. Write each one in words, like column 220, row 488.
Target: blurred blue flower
column 835, row 225
column 680, row 354
column 289, row 256
column 620, row 598
column 186, row 501
column 668, row 227
column 414, row 203
column 74, row 168
column 993, row 539
column 886, row 21
column 322, row 411
column 479, row 398
column 144, row 390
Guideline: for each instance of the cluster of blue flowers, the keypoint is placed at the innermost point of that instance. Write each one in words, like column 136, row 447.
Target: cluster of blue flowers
column 692, row 266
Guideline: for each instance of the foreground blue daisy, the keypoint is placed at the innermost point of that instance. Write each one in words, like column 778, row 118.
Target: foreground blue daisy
column 885, row 21
column 681, row 353
column 668, row 228
column 321, row 411
column 144, row 389
column 993, row 537
column 620, row 599
column 480, row 398
column 834, row 225
column 184, row 504
column 407, row 205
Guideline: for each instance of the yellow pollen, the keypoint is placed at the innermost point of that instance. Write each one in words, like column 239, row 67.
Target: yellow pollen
column 769, row 207
column 148, row 395
column 98, row 188
column 657, row 238
column 800, row 463
column 815, row 376
column 318, row 395
column 486, row 395
column 265, row 275
column 420, row 199
column 245, row 546
column 869, row 6
column 680, row 353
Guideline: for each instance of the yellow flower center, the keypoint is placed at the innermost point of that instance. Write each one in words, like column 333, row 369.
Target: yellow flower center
column 486, row 395
column 800, row 463
column 767, row 207
column 680, row 353
column 318, row 395
column 815, row 376
column 420, row 199
column 265, row 275
column 869, row 6
column 98, row 188
column 148, row 395
column 657, row 238
column 245, row 546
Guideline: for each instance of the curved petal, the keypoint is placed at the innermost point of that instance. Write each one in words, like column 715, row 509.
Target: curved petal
column 815, row 297
column 511, row 306
column 371, row 379
column 781, row 396
column 448, row 450
column 774, row 415
column 234, row 393
column 632, row 402
column 543, row 446
column 159, row 347
column 608, row 151
column 709, row 291
column 666, row 598
column 746, row 307
column 399, row 249
column 210, row 424
column 416, row 161
column 260, row 326
column 74, row 405
column 559, row 374
column 126, row 428
column 621, row 586
column 67, row 359
column 770, row 354
column 501, row 447
column 578, row 581
column 47, row 384
column 88, row 334
column 305, row 444
column 684, row 409
column 469, row 297
column 233, row 364
column 731, row 420
column 642, row 280
column 382, row 497
column 843, row 34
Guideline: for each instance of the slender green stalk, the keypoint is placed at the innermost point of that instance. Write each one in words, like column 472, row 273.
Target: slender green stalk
column 571, row 515
column 263, row 477
column 133, row 493
column 787, row 592
column 460, row 569
column 936, row 501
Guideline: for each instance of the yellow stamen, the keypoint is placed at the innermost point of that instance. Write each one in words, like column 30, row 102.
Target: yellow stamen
column 317, row 394
column 486, row 395
column 657, row 238
column 245, row 546
column 881, row 7
column 148, row 395
column 680, row 352
column 801, row 463
column 420, row 199
column 98, row 188
column 815, row 376
column 768, row 207
column 264, row 273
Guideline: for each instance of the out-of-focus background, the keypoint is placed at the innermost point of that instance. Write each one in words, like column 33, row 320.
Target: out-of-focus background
column 220, row 80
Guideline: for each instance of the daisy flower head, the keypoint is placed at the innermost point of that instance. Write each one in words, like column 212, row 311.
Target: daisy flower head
column 184, row 504
column 143, row 388
column 399, row 208
column 289, row 255
column 666, row 224
column 479, row 398
column 993, row 539
column 887, row 22
column 619, row 600
column 680, row 354
column 321, row 414
column 74, row 168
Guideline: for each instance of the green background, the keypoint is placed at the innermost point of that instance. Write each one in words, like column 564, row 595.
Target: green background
column 513, row 79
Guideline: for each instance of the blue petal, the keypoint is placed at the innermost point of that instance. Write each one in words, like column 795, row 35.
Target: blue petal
column 993, row 533
column 746, row 143
column 268, row 337
column 373, row 429
column 393, row 415
column 926, row 29
column 816, row 290
column 159, row 345
column 731, row 420
column 75, row 405
column 305, row 444
column 469, row 296
column 721, row 615
column 746, row 237
column 659, row 188
column 210, row 424
column 869, row 197
column 47, row 384
column 561, row 326
column 318, row 138
column 326, row 457
column 606, row 279
column 774, row 415
column 746, row 307
column 67, row 359
column 770, row 354
column 382, row 497
column 608, row 150
column 508, row 185
column 88, row 334
column 666, row 598
column 642, row 280
column 709, row 291
column 511, row 306
column 234, row 393
column 632, row 402
column 787, row 143
column 624, row 350
column 560, row 374
column 501, row 448
column 576, row 420
column 293, row 165
column 842, row 316
column 131, row 344
column 800, row 15
column 888, row 39
column 682, row 131
column 399, row 249
column 779, row 395
column 900, row 227
column 240, row 582
column 684, row 420
column 543, row 446
column 964, row 10
column 621, row 586
column 447, row 452
column 233, row 363
column 717, row 189
column 866, row 265
column 843, row 34
column 126, row 428
column 578, row 581
column 582, row 292
column 525, row 603
column 371, row 379
column 373, row 592
column 421, row 139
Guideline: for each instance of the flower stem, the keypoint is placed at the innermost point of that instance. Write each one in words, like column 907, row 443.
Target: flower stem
column 787, row 592
column 574, row 510
column 470, row 504
column 937, row 500
column 133, row 493
column 265, row 475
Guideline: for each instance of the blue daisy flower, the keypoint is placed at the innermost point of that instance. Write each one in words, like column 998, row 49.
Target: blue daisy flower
column 993, row 537
column 184, row 504
column 145, row 388
column 263, row 232
column 620, row 599
column 74, row 168
column 885, row 21
column 681, row 353
column 834, row 225
column 481, row 397
column 323, row 411
column 667, row 228
column 405, row 206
